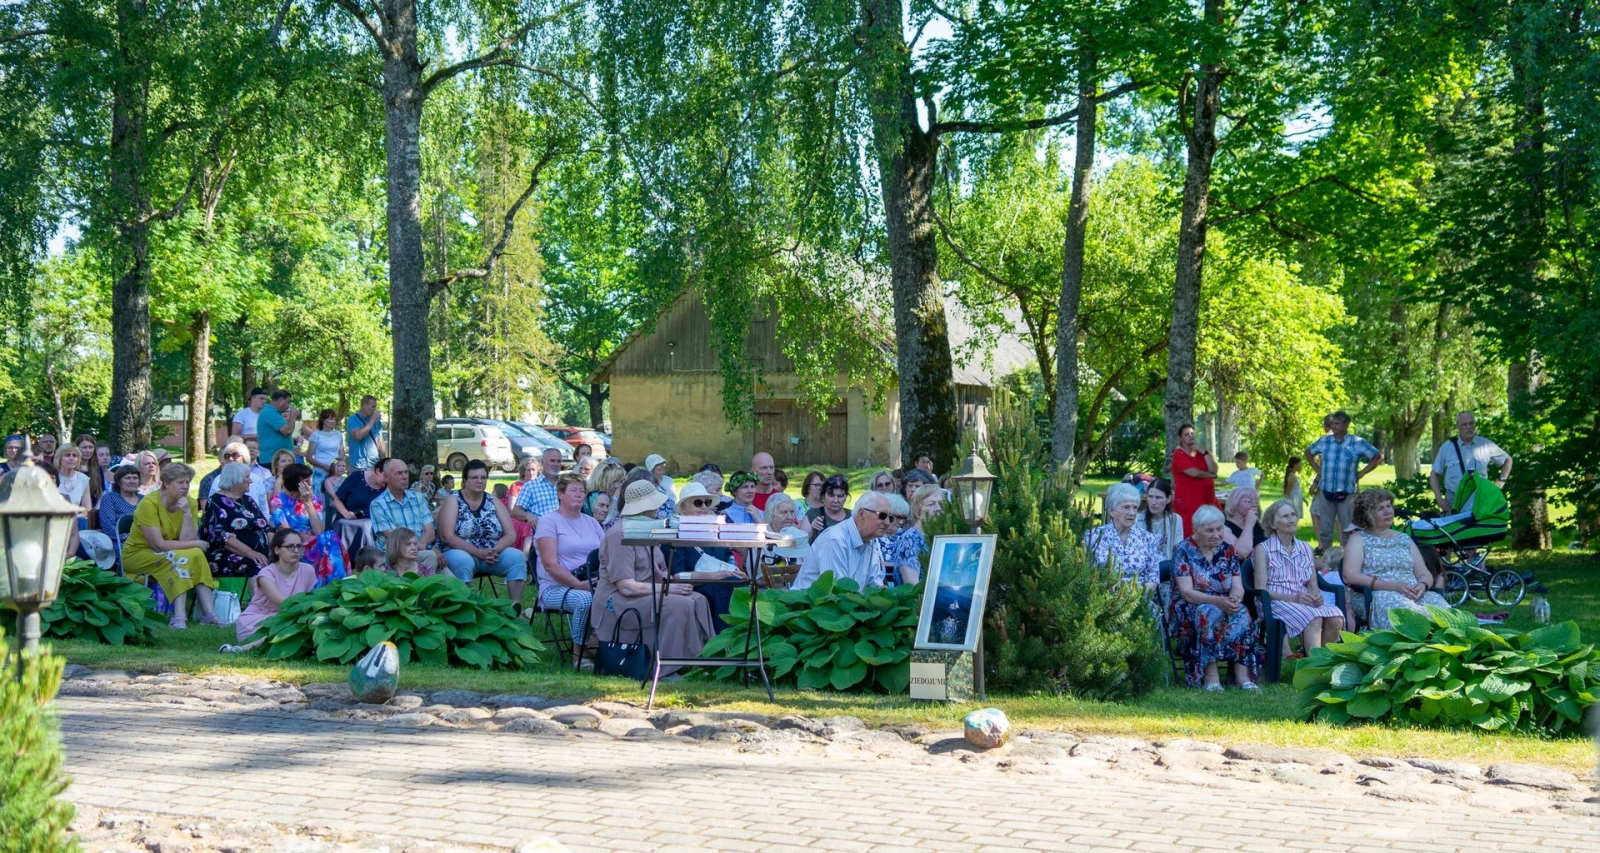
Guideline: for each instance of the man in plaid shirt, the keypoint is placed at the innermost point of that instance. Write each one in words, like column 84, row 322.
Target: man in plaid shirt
column 539, row 497
column 1336, row 457
column 398, row 506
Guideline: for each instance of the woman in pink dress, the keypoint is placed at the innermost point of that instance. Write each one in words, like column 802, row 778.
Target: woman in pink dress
column 1284, row 567
column 286, row 575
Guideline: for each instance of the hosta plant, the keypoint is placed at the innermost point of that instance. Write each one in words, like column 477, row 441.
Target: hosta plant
column 1442, row 669
column 831, row 634
column 100, row 605
column 433, row 620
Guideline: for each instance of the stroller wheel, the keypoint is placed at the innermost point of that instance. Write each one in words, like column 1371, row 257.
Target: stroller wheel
column 1455, row 588
column 1506, row 588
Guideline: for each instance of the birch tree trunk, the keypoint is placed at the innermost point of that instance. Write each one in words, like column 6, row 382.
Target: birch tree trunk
column 1064, row 426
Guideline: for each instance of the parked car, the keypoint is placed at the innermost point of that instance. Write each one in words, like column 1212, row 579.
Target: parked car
column 532, row 441
column 463, row 439
column 576, row 436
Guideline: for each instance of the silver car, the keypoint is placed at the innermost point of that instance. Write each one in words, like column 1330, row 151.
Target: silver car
column 460, row 441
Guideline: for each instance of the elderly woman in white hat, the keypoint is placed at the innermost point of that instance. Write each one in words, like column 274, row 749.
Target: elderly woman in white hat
column 656, row 464
column 629, row 573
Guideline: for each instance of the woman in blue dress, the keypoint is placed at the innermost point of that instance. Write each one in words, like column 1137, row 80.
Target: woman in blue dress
column 297, row 508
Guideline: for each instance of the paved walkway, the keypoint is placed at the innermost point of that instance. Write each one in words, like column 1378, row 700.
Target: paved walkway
column 601, row 794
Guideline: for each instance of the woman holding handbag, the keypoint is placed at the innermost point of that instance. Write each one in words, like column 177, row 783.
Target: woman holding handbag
column 628, row 575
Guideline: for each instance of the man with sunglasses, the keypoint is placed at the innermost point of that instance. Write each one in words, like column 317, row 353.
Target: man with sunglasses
column 847, row 549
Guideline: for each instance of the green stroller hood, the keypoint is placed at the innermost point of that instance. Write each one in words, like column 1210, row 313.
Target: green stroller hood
column 1481, row 515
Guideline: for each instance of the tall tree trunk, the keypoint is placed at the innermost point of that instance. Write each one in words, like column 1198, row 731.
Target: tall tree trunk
column 130, row 210
column 1184, row 335
column 1227, row 428
column 1064, row 429
column 63, row 431
column 597, row 402
column 412, row 435
column 247, row 362
column 907, row 165
column 1406, row 439
column 199, row 438
column 1530, row 517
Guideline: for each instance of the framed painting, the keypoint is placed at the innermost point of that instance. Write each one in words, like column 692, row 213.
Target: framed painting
column 954, row 595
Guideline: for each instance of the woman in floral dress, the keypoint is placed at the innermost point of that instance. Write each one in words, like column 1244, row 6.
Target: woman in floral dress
column 237, row 529
column 1208, row 615
column 1387, row 560
column 297, row 508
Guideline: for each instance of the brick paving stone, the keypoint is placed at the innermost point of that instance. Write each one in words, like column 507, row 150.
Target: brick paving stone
column 497, row 789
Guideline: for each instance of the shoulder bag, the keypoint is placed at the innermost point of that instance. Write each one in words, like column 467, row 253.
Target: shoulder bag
column 629, row 660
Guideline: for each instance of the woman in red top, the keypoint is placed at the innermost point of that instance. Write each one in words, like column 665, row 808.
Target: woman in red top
column 1194, row 478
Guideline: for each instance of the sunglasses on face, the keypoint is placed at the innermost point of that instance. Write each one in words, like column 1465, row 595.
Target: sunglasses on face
column 897, row 519
column 882, row 516
column 699, row 503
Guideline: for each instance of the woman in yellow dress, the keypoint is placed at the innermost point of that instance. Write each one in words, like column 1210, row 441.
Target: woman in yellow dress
column 165, row 545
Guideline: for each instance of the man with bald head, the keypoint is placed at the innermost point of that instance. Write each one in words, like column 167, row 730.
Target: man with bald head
column 847, row 548
column 1468, row 451
column 766, row 478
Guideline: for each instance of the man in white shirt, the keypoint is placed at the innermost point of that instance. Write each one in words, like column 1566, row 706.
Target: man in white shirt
column 1468, row 451
column 847, row 549
column 1245, row 477
column 244, row 420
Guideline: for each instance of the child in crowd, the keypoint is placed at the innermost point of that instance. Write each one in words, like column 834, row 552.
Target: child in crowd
column 368, row 558
column 1245, row 477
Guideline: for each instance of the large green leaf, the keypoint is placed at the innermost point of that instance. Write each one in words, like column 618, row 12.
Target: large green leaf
column 1346, row 675
column 1562, row 638
column 1413, row 625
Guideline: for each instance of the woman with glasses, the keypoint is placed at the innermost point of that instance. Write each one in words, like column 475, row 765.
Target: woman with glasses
column 692, row 501
column 835, row 491
column 882, row 480
column 286, row 575
column 810, row 493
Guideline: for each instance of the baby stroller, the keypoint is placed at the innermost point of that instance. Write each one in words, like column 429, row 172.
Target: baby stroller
column 1461, row 541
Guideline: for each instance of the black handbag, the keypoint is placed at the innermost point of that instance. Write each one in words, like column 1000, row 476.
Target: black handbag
column 629, row 660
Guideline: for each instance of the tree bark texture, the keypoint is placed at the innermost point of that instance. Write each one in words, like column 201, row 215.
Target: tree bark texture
column 907, row 165
column 1530, row 515
column 1183, row 337
column 1064, row 418
column 412, row 430
column 597, row 404
column 129, row 214
column 1227, row 428
column 199, row 436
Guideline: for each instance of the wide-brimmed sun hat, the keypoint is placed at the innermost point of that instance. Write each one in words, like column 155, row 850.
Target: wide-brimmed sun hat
column 641, row 497
column 654, row 459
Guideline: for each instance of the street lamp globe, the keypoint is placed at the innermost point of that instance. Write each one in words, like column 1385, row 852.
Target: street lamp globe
column 973, row 486
column 35, row 526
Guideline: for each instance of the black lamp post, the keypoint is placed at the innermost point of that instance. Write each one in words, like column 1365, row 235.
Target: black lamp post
column 35, row 526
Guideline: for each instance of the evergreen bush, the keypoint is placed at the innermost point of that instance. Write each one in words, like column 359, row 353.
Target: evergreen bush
column 32, row 819
column 1054, row 621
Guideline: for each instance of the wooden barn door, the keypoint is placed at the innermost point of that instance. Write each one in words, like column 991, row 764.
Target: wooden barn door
column 780, row 422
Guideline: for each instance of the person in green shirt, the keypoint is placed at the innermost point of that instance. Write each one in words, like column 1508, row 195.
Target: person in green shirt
column 278, row 426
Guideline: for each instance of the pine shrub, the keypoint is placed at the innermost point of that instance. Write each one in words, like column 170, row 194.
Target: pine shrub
column 1054, row 621
column 32, row 819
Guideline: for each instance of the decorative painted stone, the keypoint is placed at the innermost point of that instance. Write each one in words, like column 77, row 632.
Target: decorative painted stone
column 988, row 728
column 376, row 675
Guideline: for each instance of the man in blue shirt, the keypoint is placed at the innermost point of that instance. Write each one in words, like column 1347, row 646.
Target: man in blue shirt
column 1336, row 457
column 364, row 434
column 277, row 426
